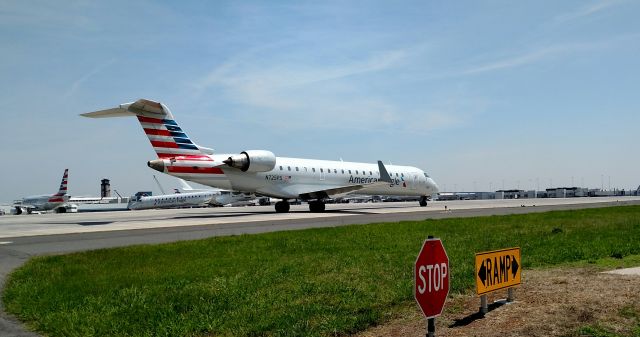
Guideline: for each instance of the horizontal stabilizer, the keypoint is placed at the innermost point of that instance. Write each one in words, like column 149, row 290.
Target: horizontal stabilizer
column 142, row 107
column 115, row 112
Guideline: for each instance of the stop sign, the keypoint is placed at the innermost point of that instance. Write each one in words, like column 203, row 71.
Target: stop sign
column 431, row 278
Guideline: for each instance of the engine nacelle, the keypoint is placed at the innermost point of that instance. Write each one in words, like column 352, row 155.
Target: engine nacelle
column 253, row 161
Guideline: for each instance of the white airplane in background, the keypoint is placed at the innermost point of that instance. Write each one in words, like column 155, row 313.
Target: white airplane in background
column 189, row 197
column 261, row 172
column 48, row 202
column 222, row 197
column 194, row 199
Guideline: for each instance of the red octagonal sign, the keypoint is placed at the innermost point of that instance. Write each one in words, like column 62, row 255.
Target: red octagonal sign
column 431, row 278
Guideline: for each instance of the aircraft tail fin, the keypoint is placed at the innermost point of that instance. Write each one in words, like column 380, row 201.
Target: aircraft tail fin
column 62, row 191
column 164, row 133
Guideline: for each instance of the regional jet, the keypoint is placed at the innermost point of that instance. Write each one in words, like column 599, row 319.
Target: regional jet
column 189, row 197
column 222, row 197
column 55, row 202
column 193, row 199
column 261, row 172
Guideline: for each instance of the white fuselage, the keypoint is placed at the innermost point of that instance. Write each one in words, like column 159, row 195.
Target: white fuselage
column 294, row 176
column 195, row 199
column 42, row 203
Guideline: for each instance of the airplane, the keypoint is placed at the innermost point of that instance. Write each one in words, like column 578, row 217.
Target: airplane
column 189, row 198
column 38, row 203
column 194, row 199
column 260, row 171
column 222, row 197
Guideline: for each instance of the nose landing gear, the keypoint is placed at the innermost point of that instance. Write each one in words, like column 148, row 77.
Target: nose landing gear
column 423, row 201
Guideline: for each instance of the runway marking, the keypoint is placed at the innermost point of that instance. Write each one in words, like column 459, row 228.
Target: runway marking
column 5, row 242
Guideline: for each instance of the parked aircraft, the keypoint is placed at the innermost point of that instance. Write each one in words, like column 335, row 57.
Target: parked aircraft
column 47, row 202
column 193, row 199
column 260, row 171
column 222, row 197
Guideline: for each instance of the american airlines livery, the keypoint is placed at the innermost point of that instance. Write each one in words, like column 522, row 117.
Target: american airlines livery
column 261, row 172
column 55, row 202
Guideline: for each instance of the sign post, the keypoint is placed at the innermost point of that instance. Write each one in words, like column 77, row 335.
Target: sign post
column 431, row 281
column 495, row 270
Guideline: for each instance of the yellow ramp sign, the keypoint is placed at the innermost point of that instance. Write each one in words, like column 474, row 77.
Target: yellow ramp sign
column 497, row 270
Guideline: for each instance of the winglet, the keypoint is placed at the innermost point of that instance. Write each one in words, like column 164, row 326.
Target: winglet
column 384, row 175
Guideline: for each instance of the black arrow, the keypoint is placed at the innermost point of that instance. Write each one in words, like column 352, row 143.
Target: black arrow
column 514, row 266
column 483, row 273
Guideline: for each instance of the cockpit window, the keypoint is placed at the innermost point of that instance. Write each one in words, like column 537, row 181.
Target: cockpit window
column 426, row 175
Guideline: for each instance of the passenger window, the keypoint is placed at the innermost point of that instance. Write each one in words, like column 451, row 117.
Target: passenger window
column 342, row 171
column 289, row 168
column 396, row 174
column 314, row 169
column 349, row 171
column 321, row 170
column 280, row 168
column 297, row 169
column 335, row 171
column 357, row 172
column 370, row 173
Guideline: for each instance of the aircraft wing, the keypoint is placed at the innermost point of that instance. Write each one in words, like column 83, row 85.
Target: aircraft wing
column 336, row 191
column 314, row 193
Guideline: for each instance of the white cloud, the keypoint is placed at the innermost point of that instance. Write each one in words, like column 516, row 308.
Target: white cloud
column 515, row 61
column 543, row 53
column 291, row 95
column 588, row 10
column 79, row 82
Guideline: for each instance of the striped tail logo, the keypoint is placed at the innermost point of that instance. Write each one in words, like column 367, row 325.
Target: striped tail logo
column 62, row 191
column 167, row 138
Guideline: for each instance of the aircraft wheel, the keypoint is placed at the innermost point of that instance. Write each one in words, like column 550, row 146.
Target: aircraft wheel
column 316, row 206
column 423, row 202
column 282, row 207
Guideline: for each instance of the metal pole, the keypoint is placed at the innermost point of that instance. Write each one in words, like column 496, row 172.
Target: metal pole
column 510, row 295
column 431, row 327
column 484, row 307
column 431, row 322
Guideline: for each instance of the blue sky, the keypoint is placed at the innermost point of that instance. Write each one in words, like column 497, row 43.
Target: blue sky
column 480, row 94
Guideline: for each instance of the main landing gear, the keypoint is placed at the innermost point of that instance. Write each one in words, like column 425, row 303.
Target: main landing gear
column 316, row 206
column 423, row 201
column 282, row 206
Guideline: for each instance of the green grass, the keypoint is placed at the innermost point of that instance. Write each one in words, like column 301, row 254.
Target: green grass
column 630, row 312
column 318, row 282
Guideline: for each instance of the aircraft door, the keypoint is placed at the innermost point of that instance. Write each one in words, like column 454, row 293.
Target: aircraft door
column 414, row 181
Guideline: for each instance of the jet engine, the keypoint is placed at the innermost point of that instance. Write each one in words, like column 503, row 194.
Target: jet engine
column 253, row 161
